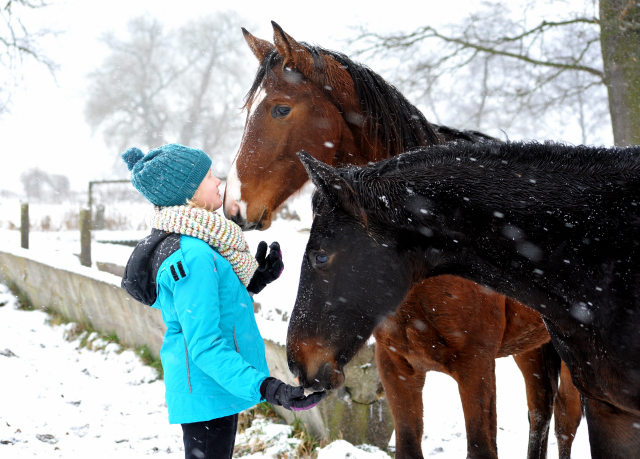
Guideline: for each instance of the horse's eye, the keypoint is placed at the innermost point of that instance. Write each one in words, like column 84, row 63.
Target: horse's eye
column 318, row 260
column 280, row 111
column 321, row 259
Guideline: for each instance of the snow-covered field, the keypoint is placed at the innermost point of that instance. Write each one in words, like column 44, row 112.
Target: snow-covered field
column 58, row 400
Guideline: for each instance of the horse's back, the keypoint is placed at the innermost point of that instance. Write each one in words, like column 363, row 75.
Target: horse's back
column 459, row 314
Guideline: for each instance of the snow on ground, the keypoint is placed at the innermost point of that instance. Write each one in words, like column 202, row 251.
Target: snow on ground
column 121, row 409
column 59, row 400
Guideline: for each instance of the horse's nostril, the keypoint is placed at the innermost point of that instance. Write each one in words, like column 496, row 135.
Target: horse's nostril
column 231, row 209
column 238, row 219
column 294, row 368
column 325, row 373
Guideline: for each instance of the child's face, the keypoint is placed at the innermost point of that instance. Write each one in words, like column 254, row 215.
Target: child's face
column 207, row 194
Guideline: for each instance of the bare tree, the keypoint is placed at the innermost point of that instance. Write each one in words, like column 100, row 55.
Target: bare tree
column 219, row 74
column 128, row 95
column 183, row 85
column 44, row 187
column 33, row 181
column 18, row 43
column 620, row 38
column 60, row 187
column 496, row 70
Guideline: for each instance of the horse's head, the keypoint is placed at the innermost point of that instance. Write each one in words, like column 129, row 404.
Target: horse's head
column 353, row 276
column 290, row 107
column 308, row 98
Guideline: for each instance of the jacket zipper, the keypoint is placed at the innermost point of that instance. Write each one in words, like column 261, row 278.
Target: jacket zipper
column 186, row 352
column 235, row 341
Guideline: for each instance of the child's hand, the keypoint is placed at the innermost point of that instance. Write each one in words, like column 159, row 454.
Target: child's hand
column 279, row 393
column 269, row 266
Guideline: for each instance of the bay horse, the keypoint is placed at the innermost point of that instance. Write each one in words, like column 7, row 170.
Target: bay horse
column 556, row 227
column 310, row 98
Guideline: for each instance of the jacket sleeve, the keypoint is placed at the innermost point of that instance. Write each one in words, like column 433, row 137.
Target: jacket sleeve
column 198, row 307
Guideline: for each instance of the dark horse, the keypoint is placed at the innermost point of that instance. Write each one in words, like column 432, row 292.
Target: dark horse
column 556, row 227
column 309, row 98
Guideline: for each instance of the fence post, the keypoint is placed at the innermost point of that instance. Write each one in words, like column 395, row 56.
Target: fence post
column 85, row 237
column 24, row 225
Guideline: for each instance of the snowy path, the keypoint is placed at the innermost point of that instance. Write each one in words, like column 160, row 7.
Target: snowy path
column 61, row 401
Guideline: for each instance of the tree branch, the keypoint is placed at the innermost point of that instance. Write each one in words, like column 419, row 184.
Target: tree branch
column 545, row 25
column 429, row 32
column 23, row 44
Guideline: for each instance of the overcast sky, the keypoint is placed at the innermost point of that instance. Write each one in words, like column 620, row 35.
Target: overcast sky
column 46, row 127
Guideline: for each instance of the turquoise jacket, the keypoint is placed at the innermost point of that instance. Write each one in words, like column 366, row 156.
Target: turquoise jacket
column 212, row 353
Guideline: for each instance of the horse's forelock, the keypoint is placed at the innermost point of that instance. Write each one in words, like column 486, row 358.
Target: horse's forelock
column 367, row 190
column 264, row 69
column 274, row 58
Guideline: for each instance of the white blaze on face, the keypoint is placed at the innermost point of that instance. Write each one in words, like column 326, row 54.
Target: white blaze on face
column 257, row 99
column 233, row 202
column 234, row 205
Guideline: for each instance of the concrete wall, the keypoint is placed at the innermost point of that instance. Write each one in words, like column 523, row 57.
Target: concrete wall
column 104, row 306
column 357, row 412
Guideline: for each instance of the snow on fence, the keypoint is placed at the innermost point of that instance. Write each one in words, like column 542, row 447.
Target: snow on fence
column 66, row 216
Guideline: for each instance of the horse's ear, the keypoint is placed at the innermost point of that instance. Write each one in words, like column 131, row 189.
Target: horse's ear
column 331, row 184
column 321, row 174
column 259, row 47
column 295, row 55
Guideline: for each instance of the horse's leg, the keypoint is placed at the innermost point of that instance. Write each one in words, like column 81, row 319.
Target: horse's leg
column 613, row 434
column 403, row 386
column 540, row 368
column 568, row 413
column 477, row 385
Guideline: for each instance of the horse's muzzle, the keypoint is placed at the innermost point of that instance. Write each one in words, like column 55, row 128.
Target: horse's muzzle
column 245, row 225
column 315, row 372
column 326, row 378
column 234, row 214
column 242, row 222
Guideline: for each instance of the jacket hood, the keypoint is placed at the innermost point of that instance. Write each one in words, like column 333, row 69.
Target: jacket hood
column 140, row 274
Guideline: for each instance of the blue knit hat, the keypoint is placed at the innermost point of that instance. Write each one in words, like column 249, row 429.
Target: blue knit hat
column 169, row 175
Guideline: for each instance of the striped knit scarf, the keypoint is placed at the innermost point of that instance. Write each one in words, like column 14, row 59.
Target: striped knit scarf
column 222, row 234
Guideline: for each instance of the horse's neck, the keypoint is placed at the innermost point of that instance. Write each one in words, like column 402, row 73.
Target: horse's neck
column 358, row 145
column 511, row 234
column 350, row 149
column 358, row 148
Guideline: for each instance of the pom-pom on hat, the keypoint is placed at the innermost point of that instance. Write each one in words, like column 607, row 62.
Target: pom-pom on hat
column 168, row 175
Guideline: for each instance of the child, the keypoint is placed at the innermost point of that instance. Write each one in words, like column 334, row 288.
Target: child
column 195, row 267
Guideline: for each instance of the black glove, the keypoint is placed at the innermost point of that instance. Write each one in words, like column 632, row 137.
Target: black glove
column 269, row 267
column 276, row 392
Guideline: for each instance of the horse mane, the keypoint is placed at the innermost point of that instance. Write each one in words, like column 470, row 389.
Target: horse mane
column 389, row 117
column 385, row 188
column 517, row 156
